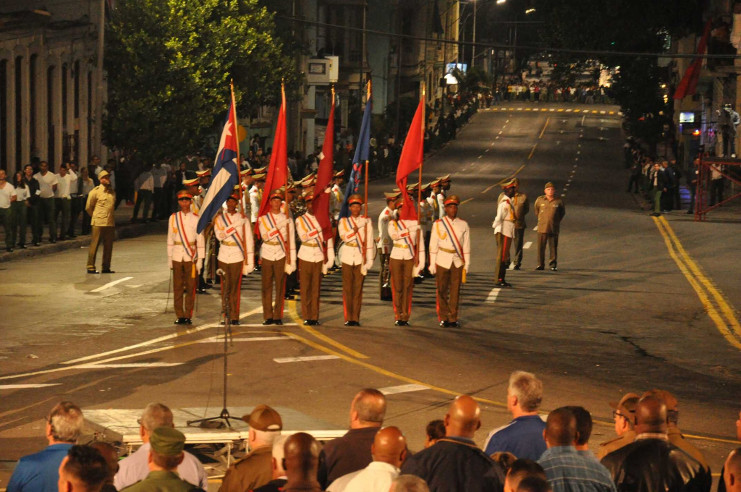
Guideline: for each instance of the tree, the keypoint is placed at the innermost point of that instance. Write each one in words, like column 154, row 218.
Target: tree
column 169, row 64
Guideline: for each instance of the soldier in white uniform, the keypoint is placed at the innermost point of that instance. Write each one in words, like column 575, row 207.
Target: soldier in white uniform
column 234, row 232
column 247, row 181
column 336, row 197
column 185, row 252
column 450, row 259
column 384, row 240
column 504, row 230
column 356, row 256
column 315, row 256
column 406, row 261
column 437, row 209
column 192, row 187
column 278, row 256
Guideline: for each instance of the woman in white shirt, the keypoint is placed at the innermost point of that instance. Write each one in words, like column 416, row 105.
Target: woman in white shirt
column 19, row 210
column 87, row 186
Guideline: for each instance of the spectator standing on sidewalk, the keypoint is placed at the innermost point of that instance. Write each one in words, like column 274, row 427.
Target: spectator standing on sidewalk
column 144, row 187
column 34, row 202
column 48, row 183
column 7, row 197
column 20, row 209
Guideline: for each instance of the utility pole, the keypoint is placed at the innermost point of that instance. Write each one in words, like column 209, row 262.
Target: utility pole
column 473, row 48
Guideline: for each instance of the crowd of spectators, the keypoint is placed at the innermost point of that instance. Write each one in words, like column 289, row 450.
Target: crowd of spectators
column 550, row 91
column 648, row 454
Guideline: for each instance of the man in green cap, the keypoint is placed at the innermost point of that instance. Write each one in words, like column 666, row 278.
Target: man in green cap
column 165, row 454
column 549, row 209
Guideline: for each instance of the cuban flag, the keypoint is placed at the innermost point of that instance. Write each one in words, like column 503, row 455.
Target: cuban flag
column 225, row 175
column 361, row 157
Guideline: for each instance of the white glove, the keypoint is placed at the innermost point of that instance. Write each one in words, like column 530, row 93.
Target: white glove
column 433, row 269
column 325, row 268
column 417, row 269
column 363, row 270
column 290, row 267
column 199, row 265
column 248, row 268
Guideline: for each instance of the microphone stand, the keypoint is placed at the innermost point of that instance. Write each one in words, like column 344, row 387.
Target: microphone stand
column 224, row 416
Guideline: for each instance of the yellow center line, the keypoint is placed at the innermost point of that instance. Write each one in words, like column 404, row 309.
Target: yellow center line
column 503, row 180
column 720, row 299
column 544, row 127
column 293, row 311
column 466, row 200
column 532, row 151
column 704, row 299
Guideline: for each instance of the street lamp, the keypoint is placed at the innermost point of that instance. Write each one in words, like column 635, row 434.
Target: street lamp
column 473, row 49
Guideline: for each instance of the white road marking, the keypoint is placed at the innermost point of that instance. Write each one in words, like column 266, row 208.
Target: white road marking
column 568, row 110
column 480, row 156
column 220, row 339
column 111, row 284
column 492, row 297
column 528, row 244
column 487, row 150
column 136, row 286
column 25, row 386
column 500, row 132
column 284, row 360
column 402, row 388
column 128, row 365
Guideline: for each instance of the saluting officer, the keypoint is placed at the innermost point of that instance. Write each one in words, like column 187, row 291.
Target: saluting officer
column 315, row 256
column 406, row 261
column 550, row 210
column 234, row 232
column 450, row 259
column 278, row 256
column 356, row 256
column 185, row 252
column 504, row 230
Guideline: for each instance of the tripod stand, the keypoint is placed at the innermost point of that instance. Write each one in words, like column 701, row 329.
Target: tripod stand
column 224, row 415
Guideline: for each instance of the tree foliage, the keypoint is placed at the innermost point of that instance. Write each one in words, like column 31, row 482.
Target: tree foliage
column 169, row 65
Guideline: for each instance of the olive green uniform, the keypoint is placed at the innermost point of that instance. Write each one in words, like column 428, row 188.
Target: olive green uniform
column 549, row 214
column 162, row 481
column 608, row 447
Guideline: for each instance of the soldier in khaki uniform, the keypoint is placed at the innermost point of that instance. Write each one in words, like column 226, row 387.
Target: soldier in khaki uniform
column 550, row 210
column 356, row 256
column 624, row 414
column 450, row 258
column 504, row 230
column 101, row 202
column 278, row 257
column 521, row 206
column 185, row 252
column 407, row 259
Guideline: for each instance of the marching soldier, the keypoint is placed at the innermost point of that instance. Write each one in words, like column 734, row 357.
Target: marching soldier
column 549, row 209
column 504, row 229
column 315, row 256
column 233, row 230
column 450, row 259
column 385, row 243
column 407, row 259
column 278, row 256
column 357, row 258
column 185, row 251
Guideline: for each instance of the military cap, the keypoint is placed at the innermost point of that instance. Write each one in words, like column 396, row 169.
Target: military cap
column 184, row 194
column 103, row 174
column 246, row 172
column 205, row 172
column 259, row 177
column 510, row 183
column 390, row 196
column 309, row 196
column 425, row 187
column 277, row 194
column 190, row 181
column 549, row 184
column 355, row 199
column 627, row 405
column 452, row 200
column 264, row 418
column 167, row 441
column 260, row 170
column 309, row 180
column 669, row 400
column 235, row 194
column 339, row 174
column 516, row 181
column 444, row 179
column 435, row 183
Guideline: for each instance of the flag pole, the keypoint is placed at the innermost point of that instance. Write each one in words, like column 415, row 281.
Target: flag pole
column 239, row 173
column 365, row 182
column 288, row 228
column 419, row 183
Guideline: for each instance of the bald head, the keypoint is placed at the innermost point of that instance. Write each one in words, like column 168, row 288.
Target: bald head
column 368, row 409
column 301, row 458
column 650, row 415
column 560, row 428
column 732, row 471
column 389, row 446
column 463, row 418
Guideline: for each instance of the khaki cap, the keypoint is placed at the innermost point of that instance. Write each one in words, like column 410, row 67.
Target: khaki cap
column 103, row 174
column 549, row 184
column 190, row 182
column 452, row 200
column 627, row 404
column 355, row 199
column 669, row 400
column 167, row 441
column 264, row 418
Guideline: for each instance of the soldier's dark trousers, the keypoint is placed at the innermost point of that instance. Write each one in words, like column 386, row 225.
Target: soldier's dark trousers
column 448, row 282
column 309, row 287
column 183, row 287
column 233, row 288
column 517, row 241
column 273, row 273
column 502, row 260
column 104, row 234
column 552, row 241
column 401, row 287
column 352, row 291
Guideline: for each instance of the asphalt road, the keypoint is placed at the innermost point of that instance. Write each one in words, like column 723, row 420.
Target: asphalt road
column 637, row 303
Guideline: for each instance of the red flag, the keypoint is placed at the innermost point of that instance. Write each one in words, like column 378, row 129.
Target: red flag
column 278, row 167
column 411, row 159
column 688, row 85
column 324, row 177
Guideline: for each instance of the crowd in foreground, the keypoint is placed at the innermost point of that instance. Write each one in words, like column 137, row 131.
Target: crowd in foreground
column 649, row 453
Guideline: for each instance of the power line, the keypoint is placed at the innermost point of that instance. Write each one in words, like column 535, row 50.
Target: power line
column 512, row 47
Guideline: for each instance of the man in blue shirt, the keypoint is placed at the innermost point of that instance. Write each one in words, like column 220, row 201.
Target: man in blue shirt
column 568, row 470
column 522, row 437
column 40, row 471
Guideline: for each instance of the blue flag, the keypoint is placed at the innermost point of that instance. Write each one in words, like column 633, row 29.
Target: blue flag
column 225, row 175
column 362, row 150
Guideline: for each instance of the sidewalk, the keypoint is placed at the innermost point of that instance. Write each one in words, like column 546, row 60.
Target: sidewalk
column 124, row 229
